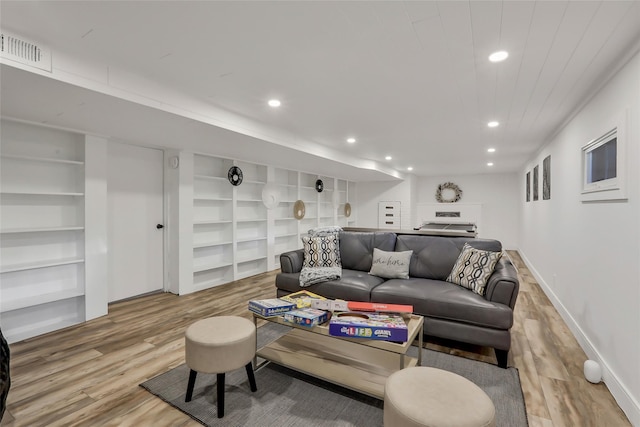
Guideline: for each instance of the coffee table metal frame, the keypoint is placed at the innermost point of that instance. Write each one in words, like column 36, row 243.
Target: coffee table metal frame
column 355, row 363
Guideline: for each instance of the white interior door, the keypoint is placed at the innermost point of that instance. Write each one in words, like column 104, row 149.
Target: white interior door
column 135, row 208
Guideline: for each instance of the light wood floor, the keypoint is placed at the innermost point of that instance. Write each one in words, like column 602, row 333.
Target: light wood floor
column 89, row 374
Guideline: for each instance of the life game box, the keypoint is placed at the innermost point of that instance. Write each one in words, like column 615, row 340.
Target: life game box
column 373, row 326
column 306, row 317
column 303, row 299
column 270, row 307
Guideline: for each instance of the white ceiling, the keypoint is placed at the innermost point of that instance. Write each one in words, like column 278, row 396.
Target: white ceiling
column 407, row 79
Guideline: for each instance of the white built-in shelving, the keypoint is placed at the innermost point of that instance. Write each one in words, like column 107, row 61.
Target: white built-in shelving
column 235, row 235
column 42, row 231
column 212, row 222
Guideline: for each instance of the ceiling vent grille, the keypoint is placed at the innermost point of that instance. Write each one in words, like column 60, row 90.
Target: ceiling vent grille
column 25, row 52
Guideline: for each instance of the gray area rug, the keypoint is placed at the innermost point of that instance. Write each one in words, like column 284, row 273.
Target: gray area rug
column 288, row 398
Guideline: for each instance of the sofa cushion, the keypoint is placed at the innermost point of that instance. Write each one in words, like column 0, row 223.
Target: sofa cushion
column 353, row 286
column 356, row 248
column 473, row 268
column 434, row 256
column 444, row 300
column 390, row 265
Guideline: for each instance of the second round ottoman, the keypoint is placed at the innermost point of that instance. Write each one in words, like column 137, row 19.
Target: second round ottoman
column 430, row 397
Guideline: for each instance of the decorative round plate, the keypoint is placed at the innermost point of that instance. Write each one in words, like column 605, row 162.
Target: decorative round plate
column 319, row 186
column 347, row 209
column 270, row 195
column 298, row 209
column 235, row 175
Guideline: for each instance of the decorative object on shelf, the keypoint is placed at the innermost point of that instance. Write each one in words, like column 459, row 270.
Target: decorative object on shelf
column 298, row 209
column 453, row 193
column 319, row 185
column 270, row 195
column 235, row 175
column 347, row 209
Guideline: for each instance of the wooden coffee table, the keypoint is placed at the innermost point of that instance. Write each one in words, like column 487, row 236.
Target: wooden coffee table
column 355, row 363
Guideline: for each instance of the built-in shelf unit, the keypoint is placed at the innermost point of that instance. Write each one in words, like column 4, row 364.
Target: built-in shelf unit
column 235, row 235
column 42, row 230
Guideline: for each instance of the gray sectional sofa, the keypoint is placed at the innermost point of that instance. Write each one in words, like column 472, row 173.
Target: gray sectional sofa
column 450, row 311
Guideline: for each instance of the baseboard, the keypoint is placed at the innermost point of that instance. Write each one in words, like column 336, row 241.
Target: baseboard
column 625, row 400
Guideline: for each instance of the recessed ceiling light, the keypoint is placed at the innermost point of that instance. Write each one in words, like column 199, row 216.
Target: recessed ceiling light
column 388, row 158
column 410, row 168
column 498, row 56
column 351, row 140
column 274, row 103
column 493, row 124
column 491, row 150
column 489, row 164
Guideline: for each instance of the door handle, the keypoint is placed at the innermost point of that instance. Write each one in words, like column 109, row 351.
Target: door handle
column 159, row 226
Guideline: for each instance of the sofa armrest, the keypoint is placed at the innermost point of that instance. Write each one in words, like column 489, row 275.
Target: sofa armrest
column 503, row 285
column 291, row 262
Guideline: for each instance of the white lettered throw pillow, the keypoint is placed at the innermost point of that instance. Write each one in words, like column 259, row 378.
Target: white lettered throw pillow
column 390, row 265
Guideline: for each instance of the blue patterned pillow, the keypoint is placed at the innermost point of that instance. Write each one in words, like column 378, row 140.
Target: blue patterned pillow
column 473, row 268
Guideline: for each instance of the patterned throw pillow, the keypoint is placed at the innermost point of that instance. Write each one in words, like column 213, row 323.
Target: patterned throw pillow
column 321, row 251
column 473, row 268
column 390, row 265
column 321, row 259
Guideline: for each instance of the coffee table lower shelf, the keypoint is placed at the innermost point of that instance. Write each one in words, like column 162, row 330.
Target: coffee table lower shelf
column 354, row 366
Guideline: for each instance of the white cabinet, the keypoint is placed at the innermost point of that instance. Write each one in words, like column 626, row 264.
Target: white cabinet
column 42, row 230
column 389, row 215
column 212, row 222
column 285, row 226
column 309, row 195
column 327, row 210
column 251, row 221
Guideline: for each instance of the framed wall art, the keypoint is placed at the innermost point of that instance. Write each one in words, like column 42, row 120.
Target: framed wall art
column 546, row 178
column 535, row 183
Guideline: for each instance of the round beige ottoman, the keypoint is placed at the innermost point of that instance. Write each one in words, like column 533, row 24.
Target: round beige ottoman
column 218, row 345
column 420, row 396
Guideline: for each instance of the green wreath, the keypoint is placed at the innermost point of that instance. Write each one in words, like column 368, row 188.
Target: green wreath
column 448, row 186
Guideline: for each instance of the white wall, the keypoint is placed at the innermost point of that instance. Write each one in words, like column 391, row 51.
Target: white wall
column 586, row 256
column 370, row 193
column 497, row 193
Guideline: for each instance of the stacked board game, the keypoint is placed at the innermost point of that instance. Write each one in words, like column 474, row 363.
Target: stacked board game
column 373, row 326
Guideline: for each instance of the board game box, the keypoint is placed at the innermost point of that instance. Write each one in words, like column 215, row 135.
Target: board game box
column 303, row 299
column 373, row 326
column 270, row 307
column 306, row 317
column 340, row 305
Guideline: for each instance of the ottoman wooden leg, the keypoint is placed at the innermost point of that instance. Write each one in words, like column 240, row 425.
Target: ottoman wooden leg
column 192, row 382
column 220, row 395
column 252, row 378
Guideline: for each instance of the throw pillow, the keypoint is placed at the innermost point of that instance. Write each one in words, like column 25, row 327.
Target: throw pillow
column 473, row 268
column 321, row 259
column 321, row 251
column 390, row 265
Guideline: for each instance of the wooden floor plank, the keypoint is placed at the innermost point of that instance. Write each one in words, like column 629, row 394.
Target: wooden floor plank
column 88, row 374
